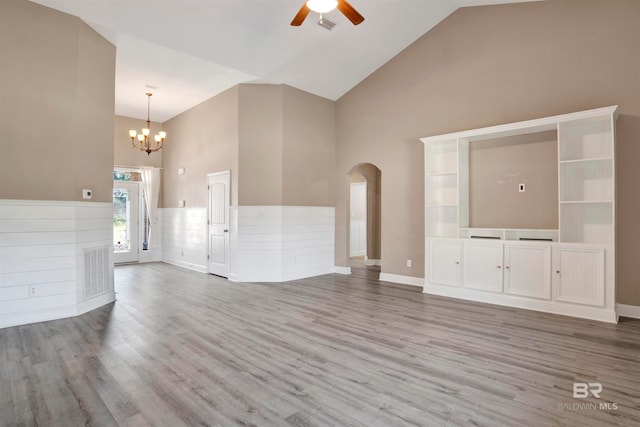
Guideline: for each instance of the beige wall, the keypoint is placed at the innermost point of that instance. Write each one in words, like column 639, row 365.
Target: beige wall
column 485, row 66
column 260, row 144
column 202, row 140
column 124, row 153
column 308, row 149
column 498, row 166
column 56, row 105
column 278, row 142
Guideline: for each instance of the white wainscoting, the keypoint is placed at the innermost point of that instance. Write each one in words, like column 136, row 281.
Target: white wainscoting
column 42, row 247
column 184, row 237
column 280, row 243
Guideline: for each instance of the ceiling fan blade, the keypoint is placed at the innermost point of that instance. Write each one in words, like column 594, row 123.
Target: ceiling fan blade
column 302, row 14
column 348, row 11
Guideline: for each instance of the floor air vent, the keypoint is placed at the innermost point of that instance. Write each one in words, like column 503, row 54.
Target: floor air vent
column 97, row 280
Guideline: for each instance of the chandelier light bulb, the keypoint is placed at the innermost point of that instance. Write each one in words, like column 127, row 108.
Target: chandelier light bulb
column 132, row 133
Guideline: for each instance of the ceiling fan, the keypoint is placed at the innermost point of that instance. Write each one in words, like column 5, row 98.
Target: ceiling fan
column 325, row 6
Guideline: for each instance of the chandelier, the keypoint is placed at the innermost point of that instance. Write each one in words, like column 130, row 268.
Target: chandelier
column 144, row 141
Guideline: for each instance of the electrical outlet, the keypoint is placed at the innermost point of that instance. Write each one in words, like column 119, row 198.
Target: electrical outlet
column 32, row 290
column 409, row 263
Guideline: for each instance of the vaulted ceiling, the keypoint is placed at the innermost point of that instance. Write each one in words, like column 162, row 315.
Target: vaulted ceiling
column 186, row 51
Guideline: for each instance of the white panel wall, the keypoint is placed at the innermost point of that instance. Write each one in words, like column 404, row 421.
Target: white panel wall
column 279, row 243
column 184, row 237
column 268, row 243
column 41, row 258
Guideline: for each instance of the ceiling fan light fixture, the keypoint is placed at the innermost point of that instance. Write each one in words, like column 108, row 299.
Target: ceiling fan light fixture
column 322, row 6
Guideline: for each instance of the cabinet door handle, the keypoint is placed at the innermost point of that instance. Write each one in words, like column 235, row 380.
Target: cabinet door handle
column 457, row 262
column 499, row 267
column 557, row 271
column 507, row 267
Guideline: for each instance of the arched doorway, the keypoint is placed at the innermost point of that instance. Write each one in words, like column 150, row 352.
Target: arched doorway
column 364, row 233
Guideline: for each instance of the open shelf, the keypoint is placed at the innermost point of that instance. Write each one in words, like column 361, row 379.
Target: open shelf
column 586, row 222
column 442, row 221
column 441, row 189
column 588, row 138
column 586, row 180
column 441, row 157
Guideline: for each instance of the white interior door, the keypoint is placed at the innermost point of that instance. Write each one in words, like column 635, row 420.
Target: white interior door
column 358, row 222
column 219, row 200
column 126, row 219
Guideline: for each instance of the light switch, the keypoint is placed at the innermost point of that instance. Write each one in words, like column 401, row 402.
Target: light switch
column 181, row 203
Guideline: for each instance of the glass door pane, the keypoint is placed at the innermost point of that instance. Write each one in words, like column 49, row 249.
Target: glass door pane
column 121, row 220
column 125, row 221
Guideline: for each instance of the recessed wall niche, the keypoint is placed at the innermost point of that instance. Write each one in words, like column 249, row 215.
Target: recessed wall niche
column 496, row 169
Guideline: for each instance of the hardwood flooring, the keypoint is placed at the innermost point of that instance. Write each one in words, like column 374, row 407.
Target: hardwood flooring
column 183, row 348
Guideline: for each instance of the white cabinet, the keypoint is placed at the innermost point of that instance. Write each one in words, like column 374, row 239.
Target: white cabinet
column 579, row 275
column 444, row 261
column 527, row 270
column 574, row 272
column 482, row 265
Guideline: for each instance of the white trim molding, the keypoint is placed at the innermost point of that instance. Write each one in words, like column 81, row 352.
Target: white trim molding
column 625, row 310
column 368, row 261
column 338, row 269
column 404, row 280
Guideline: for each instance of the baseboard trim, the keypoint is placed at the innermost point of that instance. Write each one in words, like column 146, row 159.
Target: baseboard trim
column 547, row 306
column 188, row 266
column 341, row 270
column 96, row 302
column 404, row 280
column 372, row 262
column 19, row 319
column 625, row 310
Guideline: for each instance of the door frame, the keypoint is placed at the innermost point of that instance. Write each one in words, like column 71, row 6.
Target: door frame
column 227, row 212
column 363, row 184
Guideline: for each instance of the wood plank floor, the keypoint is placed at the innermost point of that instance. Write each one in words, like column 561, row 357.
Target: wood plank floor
column 183, row 348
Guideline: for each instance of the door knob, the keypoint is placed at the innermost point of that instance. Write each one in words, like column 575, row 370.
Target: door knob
column 226, row 231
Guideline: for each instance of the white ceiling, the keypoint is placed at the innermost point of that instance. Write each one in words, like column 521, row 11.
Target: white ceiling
column 191, row 50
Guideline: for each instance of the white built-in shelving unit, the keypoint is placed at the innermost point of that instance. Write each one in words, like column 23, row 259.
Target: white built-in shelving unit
column 569, row 270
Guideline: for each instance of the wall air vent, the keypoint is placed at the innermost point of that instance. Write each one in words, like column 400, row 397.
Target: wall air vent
column 97, row 280
column 325, row 23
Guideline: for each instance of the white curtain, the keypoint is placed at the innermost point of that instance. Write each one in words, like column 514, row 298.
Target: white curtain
column 151, row 187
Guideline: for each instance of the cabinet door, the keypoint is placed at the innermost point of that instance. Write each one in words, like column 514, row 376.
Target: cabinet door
column 527, row 270
column 579, row 275
column 443, row 262
column 482, row 263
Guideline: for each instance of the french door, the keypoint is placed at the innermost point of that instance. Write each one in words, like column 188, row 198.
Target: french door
column 126, row 218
